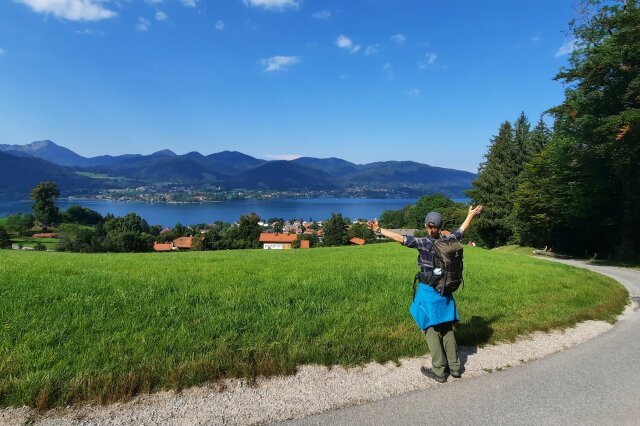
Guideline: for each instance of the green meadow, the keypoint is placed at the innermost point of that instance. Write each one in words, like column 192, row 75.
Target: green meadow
column 49, row 243
column 104, row 327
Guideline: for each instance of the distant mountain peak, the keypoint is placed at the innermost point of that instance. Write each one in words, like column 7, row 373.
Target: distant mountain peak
column 42, row 144
column 164, row 153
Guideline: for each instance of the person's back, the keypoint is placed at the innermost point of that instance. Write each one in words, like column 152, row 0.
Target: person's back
column 434, row 311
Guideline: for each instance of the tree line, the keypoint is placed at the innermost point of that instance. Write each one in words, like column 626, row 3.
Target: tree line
column 576, row 187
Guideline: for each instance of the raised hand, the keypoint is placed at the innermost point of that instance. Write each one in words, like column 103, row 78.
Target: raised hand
column 475, row 212
column 372, row 224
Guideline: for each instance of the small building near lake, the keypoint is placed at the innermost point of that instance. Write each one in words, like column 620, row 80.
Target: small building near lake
column 357, row 241
column 183, row 243
column 274, row 241
column 163, row 247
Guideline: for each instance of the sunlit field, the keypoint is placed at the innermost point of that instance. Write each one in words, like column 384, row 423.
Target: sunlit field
column 104, row 327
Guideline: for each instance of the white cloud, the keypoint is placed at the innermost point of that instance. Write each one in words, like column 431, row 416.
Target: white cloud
column 219, row 25
column 387, row 68
column 322, row 14
column 536, row 37
column 274, row 4
column 161, row 16
column 2, row 51
column 143, row 24
column 414, row 93
column 189, row 3
column 154, row 1
column 398, row 38
column 429, row 59
column 279, row 63
column 89, row 31
column 344, row 42
column 372, row 49
column 73, row 10
column 287, row 157
column 566, row 48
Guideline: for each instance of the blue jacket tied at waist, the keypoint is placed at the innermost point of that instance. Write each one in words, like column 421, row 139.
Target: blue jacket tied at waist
column 431, row 308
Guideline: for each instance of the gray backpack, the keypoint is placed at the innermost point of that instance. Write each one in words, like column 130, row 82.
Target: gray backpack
column 448, row 260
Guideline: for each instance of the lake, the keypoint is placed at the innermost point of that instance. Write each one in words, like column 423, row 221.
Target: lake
column 230, row 211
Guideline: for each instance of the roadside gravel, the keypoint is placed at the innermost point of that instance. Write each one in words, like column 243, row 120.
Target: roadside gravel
column 314, row 389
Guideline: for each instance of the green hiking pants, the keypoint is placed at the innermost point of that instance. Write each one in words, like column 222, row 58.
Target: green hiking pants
column 443, row 347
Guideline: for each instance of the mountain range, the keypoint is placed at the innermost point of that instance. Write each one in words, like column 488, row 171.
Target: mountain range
column 45, row 160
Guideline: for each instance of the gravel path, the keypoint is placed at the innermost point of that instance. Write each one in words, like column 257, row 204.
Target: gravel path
column 314, row 389
column 595, row 383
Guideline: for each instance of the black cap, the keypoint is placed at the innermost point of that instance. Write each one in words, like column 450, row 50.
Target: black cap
column 435, row 219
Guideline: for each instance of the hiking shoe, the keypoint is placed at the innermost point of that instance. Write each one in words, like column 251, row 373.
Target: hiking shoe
column 456, row 374
column 429, row 373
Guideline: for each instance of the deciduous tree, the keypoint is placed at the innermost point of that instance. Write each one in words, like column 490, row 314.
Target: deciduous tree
column 44, row 208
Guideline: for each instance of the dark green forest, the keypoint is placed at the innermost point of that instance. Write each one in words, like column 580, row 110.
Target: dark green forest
column 574, row 188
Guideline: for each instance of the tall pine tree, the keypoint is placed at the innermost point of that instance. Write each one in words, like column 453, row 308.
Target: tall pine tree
column 531, row 217
column 494, row 188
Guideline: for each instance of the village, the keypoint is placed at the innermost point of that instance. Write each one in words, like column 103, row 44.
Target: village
column 276, row 236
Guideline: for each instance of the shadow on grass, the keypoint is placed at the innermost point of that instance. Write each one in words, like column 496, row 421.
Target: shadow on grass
column 474, row 332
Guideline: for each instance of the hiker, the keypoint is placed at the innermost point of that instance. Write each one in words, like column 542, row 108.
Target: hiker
column 433, row 308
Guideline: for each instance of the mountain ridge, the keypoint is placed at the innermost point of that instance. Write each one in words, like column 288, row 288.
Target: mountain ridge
column 232, row 170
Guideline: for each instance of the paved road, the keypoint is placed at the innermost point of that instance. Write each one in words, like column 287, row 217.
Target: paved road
column 597, row 382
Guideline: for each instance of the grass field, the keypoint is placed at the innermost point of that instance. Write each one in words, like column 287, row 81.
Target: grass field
column 104, row 327
column 100, row 176
column 50, row 243
column 513, row 249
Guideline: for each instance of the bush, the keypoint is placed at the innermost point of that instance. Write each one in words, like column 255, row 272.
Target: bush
column 5, row 241
column 75, row 238
column 81, row 216
column 19, row 223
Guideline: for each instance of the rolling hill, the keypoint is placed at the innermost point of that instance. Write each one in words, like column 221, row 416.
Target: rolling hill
column 18, row 175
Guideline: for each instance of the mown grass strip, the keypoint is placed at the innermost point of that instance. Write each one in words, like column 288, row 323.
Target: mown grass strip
column 104, row 327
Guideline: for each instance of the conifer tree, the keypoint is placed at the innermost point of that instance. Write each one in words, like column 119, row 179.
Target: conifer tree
column 495, row 186
column 538, row 139
column 335, row 231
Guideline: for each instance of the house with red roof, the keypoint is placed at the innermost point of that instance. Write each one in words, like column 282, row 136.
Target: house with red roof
column 275, row 241
column 357, row 241
column 163, row 247
column 183, row 243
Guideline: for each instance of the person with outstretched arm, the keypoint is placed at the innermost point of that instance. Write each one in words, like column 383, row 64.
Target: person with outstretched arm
column 440, row 312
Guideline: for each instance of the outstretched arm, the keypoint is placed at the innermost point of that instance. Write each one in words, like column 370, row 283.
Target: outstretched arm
column 373, row 225
column 472, row 213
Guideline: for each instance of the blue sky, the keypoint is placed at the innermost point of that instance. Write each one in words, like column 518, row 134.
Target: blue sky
column 363, row 80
